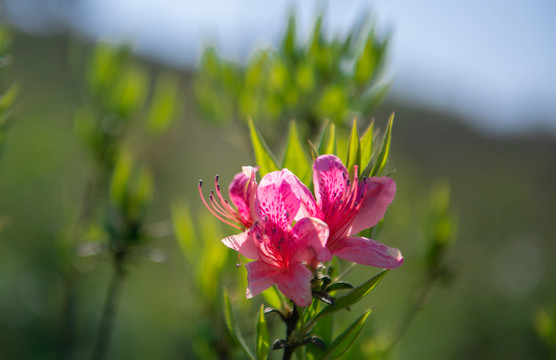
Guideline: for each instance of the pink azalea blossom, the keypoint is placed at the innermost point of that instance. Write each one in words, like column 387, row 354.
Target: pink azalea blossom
column 349, row 207
column 242, row 193
column 280, row 250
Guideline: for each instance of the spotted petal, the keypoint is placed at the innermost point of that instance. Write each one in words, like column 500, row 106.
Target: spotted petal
column 329, row 179
column 275, row 201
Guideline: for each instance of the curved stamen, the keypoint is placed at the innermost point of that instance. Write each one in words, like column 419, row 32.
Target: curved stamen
column 226, row 214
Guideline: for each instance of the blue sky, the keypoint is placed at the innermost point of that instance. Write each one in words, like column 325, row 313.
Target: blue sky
column 491, row 60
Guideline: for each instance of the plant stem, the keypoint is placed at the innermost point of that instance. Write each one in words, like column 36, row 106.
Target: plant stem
column 291, row 323
column 67, row 328
column 109, row 310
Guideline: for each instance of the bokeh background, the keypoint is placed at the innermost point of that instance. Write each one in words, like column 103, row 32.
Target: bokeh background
column 473, row 89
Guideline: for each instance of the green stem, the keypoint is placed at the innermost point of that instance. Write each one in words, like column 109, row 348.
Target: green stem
column 109, row 310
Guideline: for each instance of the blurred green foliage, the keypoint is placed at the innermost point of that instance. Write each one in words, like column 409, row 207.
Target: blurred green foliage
column 8, row 92
column 170, row 304
column 322, row 79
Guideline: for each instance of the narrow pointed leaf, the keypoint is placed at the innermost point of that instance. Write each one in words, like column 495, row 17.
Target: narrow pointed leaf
column 323, row 329
column 340, row 285
column 263, row 156
column 295, row 158
column 366, row 147
column 272, row 297
column 328, row 140
column 343, row 342
column 384, row 149
column 263, row 341
column 314, row 151
column 288, row 43
column 353, row 152
column 353, row 296
column 232, row 326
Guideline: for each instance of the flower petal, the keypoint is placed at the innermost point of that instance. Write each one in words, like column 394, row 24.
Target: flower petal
column 367, row 252
column 239, row 190
column 275, row 200
column 308, row 206
column 242, row 243
column 378, row 194
column 260, row 277
column 329, row 179
column 312, row 236
column 296, row 284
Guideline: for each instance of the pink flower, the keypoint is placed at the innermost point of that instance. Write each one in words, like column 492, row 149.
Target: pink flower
column 242, row 192
column 280, row 250
column 349, row 207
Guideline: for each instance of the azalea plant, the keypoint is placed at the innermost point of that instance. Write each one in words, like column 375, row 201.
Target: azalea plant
column 292, row 234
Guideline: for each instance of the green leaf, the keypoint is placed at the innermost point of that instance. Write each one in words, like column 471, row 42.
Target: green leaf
column 366, row 64
column 353, row 152
column 327, row 144
column 210, row 261
column 129, row 91
column 384, row 149
column 273, row 297
column 288, row 43
column 120, row 179
column 343, row 342
column 8, row 98
column 263, row 342
column 314, row 150
column 263, row 156
column 324, row 328
column 164, row 103
column 184, row 228
column 353, row 296
column 340, row 285
column 366, row 147
column 233, row 327
column 295, row 158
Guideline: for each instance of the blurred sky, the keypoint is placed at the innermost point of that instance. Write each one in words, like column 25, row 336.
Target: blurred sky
column 492, row 60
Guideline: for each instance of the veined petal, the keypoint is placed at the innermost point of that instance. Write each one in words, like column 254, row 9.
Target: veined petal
column 260, row 277
column 367, row 252
column 308, row 206
column 312, row 236
column 296, row 284
column 275, row 201
column 378, row 194
column 329, row 180
column 242, row 243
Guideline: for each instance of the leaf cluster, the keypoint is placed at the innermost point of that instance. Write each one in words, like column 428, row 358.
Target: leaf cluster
column 303, row 324
column 363, row 151
column 320, row 79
